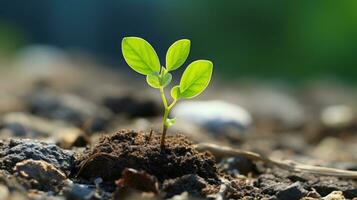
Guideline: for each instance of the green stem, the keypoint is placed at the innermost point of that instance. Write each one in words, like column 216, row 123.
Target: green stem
column 162, row 93
column 165, row 125
column 172, row 104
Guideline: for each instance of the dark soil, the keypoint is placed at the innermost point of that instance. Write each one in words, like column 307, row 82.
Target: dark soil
column 130, row 149
column 193, row 184
column 181, row 168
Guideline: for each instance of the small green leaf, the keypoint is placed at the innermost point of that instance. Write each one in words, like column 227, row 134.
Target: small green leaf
column 165, row 79
column 153, row 80
column 140, row 55
column 175, row 92
column 156, row 80
column 195, row 78
column 170, row 122
column 177, row 54
column 164, row 70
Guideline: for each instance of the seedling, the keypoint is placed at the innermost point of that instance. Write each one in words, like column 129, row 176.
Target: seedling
column 142, row 58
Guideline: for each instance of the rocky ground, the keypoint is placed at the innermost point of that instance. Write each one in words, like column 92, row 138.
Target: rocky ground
column 72, row 130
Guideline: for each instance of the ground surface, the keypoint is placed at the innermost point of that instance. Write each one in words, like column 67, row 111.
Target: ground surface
column 84, row 134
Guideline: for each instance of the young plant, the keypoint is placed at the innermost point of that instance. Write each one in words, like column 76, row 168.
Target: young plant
column 142, row 58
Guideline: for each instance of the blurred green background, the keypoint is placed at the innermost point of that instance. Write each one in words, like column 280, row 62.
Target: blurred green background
column 291, row 40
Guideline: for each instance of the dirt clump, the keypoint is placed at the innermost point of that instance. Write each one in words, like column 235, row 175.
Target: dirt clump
column 129, row 149
column 193, row 184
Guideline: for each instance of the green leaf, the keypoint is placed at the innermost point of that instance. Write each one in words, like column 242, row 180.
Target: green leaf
column 156, row 80
column 170, row 122
column 140, row 55
column 177, row 54
column 195, row 78
column 153, row 80
column 165, row 79
column 175, row 92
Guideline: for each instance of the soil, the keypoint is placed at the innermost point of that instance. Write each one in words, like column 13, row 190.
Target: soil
column 174, row 165
column 130, row 149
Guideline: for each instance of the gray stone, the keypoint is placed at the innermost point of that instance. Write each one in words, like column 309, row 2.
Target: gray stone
column 292, row 192
column 16, row 150
column 79, row 191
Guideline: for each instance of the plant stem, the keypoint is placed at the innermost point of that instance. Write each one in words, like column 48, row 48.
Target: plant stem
column 162, row 93
column 166, row 114
column 172, row 104
column 165, row 125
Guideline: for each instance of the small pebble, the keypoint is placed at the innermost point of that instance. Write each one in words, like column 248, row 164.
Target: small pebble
column 79, row 192
column 45, row 175
column 337, row 116
column 335, row 195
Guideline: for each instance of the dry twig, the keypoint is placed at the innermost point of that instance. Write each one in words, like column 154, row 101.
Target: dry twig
column 224, row 151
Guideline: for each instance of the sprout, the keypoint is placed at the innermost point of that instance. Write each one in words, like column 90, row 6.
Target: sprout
column 142, row 58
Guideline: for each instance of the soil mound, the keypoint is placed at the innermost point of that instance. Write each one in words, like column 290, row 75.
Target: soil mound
column 129, row 149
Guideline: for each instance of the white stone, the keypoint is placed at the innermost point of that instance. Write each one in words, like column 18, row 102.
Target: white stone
column 337, row 116
column 213, row 114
